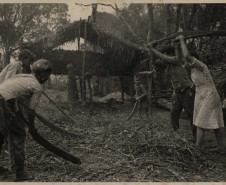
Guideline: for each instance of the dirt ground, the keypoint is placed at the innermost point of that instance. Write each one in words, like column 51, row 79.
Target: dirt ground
column 116, row 150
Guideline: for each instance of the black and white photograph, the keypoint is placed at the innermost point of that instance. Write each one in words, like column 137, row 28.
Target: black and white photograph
column 112, row 91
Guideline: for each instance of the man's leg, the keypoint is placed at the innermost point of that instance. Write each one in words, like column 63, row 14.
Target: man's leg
column 2, row 169
column 200, row 137
column 188, row 104
column 18, row 150
column 11, row 155
column 1, row 141
column 3, row 130
column 17, row 136
column 176, row 111
column 219, row 134
column 140, row 107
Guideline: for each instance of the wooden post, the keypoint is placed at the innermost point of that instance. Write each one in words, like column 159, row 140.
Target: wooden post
column 72, row 86
column 90, row 94
column 90, row 88
column 122, row 87
column 132, row 91
column 83, row 66
column 94, row 12
column 78, row 38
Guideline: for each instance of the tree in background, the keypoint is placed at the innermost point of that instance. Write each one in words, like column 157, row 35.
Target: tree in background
column 131, row 23
column 25, row 22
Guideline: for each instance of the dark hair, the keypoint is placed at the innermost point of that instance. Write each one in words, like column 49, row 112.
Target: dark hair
column 169, row 50
column 38, row 73
column 26, row 53
column 193, row 53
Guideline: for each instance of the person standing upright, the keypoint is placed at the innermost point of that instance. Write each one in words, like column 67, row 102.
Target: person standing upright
column 208, row 107
column 184, row 89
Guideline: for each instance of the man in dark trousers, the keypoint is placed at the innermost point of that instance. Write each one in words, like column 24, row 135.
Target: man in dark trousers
column 25, row 88
column 184, row 93
column 25, row 59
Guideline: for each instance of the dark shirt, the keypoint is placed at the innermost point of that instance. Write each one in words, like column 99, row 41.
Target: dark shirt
column 179, row 77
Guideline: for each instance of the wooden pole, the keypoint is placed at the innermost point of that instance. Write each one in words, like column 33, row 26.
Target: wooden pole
column 90, row 94
column 122, row 87
column 78, row 38
column 83, row 66
column 72, row 90
column 90, row 88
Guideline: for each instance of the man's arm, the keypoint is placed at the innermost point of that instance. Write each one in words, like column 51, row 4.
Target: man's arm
column 31, row 118
column 144, row 93
column 170, row 59
column 191, row 60
column 185, row 51
column 179, row 55
column 11, row 71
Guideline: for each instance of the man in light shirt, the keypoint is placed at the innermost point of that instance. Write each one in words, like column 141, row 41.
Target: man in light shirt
column 24, row 88
column 26, row 58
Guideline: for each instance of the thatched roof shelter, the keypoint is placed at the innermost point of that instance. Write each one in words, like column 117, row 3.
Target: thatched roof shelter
column 122, row 54
column 97, row 64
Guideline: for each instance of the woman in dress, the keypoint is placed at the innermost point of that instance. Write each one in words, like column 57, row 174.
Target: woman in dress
column 207, row 107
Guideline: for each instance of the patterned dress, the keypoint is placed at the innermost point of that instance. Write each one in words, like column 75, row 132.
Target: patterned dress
column 208, row 107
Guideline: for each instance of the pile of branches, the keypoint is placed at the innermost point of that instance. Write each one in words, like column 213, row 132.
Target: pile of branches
column 118, row 150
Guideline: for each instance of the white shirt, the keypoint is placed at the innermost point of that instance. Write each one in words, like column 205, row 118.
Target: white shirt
column 10, row 70
column 24, row 86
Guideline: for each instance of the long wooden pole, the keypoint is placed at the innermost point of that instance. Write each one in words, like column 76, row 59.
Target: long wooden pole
column 194, row 34
column 83, row 66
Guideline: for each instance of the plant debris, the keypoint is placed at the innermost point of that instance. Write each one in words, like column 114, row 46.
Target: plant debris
column 114, row 149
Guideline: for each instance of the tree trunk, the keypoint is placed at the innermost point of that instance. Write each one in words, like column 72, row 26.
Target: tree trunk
column 72, row 86
column 193, row 12
column 122, row 87
column 177, row 22
column 167, row 19
column 94, row 12
column 184, row 16
column 151, row 23
column 150, row 35
column 83, row 67
column 6, row 56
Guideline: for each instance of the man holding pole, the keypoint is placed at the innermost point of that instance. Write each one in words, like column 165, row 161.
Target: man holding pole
column 25, row 88
column 183, row 96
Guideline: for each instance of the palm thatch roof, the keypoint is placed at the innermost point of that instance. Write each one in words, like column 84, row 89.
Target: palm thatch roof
column 117, row 49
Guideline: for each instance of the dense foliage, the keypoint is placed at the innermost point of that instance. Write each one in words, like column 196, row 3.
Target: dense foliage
column 168, row 19
column 20, row 22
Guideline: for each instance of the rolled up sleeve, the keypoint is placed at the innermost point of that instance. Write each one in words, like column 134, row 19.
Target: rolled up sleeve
column 34, row 100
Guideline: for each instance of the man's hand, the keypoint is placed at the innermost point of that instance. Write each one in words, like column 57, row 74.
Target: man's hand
column 152, row 45
column 175, row 43
column 179, row 38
